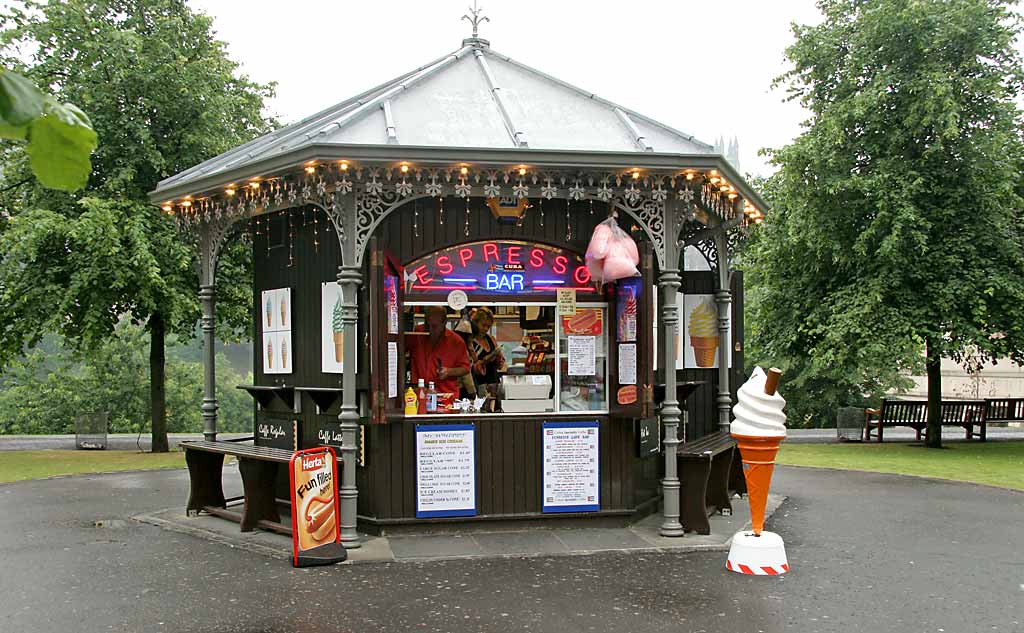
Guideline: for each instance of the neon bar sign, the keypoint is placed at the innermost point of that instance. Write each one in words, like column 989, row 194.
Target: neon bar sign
column 498, row 267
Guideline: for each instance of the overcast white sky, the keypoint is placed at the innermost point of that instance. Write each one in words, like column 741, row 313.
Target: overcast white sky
column 705, row 68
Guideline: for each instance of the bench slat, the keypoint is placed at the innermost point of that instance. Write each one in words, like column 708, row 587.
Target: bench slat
column 255, row 452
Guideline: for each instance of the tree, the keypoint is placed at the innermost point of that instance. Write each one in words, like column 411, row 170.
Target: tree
column 163, row 96
column 897, row 213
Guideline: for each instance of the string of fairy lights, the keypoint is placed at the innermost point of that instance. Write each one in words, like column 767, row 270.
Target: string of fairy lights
column 323, row 181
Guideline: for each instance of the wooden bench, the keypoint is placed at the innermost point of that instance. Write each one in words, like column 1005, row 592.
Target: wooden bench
column 258, row 466
column 1004, row 409
column 710, row 472
column 914, row 414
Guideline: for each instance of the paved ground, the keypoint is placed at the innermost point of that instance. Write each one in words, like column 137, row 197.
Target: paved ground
column 485, row 542
column 869, row 552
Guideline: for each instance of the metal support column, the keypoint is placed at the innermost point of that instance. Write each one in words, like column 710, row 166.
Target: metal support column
column 349, row 279
column 669, row 281
column 723, row 297
column 207, row 298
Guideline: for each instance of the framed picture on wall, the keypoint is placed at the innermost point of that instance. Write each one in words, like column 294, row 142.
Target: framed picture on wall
column 698, row 344
column 276, row 318
column 332, row 331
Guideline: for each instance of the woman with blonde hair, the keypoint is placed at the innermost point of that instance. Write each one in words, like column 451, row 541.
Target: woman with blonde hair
column 484, row 354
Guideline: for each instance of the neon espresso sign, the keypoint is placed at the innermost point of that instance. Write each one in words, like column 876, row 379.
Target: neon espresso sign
column 498, row 267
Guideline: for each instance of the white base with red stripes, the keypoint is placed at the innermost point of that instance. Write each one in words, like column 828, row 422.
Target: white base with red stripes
column 763, row 555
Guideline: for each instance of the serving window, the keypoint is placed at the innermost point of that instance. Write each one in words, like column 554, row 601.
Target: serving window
column 548, row 363
column 526, row 354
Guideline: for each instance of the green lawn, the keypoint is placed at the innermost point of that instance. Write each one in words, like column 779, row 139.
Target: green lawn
column 993, row 463
column 20, row 465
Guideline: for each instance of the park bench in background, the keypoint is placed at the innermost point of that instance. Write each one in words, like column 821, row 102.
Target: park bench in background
column 1004, row 409
column 258, row 466
column 710, row 472
column 914, row 414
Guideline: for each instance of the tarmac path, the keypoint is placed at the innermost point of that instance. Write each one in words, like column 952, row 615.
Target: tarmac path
column 869, row 552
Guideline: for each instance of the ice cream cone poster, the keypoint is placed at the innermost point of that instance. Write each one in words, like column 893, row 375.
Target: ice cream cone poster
column 277, row 335
column 277, row 309
column 698, row 344
column 332, row 326
column 315, row 518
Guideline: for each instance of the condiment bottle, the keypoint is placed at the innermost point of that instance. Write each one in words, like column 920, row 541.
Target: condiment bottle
column 421, row 397
column 431, row 399
column 411, row 402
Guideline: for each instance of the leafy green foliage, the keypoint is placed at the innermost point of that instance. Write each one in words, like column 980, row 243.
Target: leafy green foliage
column 897, row 213
column 162, row 96
column 60, row 136
column 45, row 390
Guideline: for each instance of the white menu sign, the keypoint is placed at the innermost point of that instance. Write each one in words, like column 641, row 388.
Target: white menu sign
column 571, row 477
column 445, row 470
column 392, row 369
column 582, row 355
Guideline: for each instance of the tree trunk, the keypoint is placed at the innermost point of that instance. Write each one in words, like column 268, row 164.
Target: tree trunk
column 157, row 391
column 933, row 364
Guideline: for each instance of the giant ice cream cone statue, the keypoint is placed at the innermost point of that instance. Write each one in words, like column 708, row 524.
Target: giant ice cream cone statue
column 704, row 333
column 759, row 428
column 338, row 328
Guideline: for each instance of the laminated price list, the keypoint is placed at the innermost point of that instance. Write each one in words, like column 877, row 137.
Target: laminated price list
column 445, row 470
column 571, row 473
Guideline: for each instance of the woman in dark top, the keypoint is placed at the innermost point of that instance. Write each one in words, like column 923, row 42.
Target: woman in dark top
column 484, row 354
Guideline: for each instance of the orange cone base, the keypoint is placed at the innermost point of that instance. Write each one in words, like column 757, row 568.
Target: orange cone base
column 763, row 555
column 758, row 454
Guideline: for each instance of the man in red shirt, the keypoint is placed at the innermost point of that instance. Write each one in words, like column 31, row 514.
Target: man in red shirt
column 440, row 356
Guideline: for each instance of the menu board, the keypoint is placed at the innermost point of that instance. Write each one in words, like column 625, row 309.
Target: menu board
column 571, row 478
column 445, row 470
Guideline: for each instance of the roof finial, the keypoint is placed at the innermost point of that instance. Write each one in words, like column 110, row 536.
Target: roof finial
column 476, row 19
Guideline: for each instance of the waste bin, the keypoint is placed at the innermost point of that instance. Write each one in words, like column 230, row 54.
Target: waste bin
column 850, row 424
column 91, row 431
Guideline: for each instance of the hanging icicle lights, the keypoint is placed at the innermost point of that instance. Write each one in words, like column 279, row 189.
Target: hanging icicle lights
column 262, row 194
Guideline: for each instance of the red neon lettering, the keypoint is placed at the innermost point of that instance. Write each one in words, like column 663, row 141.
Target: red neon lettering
column 582, row 275
column 465, row 254
column 559, row 266
column 490, row 248
column 444, row 265
column 536, row 258
column 513, row 254
column 422, row 275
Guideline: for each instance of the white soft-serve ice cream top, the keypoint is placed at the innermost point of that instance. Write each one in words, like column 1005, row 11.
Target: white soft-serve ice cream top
column 758, row 414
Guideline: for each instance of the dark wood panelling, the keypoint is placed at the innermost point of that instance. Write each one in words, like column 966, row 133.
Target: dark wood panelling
column 508, row 467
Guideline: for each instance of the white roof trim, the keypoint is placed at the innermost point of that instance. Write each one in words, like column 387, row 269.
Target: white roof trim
column 638, row 138
column 389, row 122
column 518, row 136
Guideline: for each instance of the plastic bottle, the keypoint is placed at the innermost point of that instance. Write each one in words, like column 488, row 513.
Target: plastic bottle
column 421, row 397
column 431, row 399
column 411, row 402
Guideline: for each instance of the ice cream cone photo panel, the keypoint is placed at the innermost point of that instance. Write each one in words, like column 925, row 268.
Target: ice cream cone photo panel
column 699, row 337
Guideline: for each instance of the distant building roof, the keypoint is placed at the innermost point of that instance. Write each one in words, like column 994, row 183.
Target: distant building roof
column 471, row 98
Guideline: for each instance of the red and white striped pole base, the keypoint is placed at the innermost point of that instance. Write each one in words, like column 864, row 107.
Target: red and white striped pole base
column 763, row 555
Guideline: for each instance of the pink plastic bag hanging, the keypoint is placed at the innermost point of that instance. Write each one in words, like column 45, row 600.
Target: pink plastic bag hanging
column 612, row 253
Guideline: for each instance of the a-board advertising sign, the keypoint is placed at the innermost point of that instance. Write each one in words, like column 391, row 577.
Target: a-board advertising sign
column 571, row 474
column 445, row 470
column 316, row 522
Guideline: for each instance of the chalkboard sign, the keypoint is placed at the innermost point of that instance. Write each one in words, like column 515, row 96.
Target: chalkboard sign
column 328, row 433
column 276, row 433
column 648, row 440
